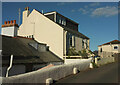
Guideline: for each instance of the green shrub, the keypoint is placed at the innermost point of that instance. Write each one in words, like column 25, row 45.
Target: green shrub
column 72, row 51
column 94, row 65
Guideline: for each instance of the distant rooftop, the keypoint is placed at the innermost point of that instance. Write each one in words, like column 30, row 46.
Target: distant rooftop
column 111, row 42
column 10, row 23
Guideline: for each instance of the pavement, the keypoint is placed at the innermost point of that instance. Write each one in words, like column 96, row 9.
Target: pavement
column 104, row 74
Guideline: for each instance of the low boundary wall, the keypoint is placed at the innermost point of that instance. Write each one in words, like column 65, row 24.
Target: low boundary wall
column 105, row 60
column 56, row 73
column 70, row 61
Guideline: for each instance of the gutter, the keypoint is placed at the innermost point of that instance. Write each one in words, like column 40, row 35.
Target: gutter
column 11, row 60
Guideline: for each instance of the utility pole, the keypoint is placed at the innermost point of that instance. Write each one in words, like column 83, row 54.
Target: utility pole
column 19, row 17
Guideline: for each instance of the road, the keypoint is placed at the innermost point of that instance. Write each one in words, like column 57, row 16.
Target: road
column 104, row 74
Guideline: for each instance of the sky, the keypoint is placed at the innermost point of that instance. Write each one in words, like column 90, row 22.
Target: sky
column 97, row 20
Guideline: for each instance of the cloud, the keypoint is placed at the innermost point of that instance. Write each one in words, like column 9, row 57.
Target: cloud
column 61, row 3
column 105, row 11
column 85, row 6
column 72, row 10
column 95, row 4
column 83, row 11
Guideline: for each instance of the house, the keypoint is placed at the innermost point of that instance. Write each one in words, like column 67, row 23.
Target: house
column 57, row 31
column 109, row 49
column 28, row 55
column 9, row 28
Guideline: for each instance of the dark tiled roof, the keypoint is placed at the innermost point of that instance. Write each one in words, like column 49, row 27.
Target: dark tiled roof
column 111, row 42
column 63, row 16
column 24, row 53
column 75, row 32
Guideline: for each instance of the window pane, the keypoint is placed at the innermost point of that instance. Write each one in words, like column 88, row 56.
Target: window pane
column 70, row 40
column 115, row 47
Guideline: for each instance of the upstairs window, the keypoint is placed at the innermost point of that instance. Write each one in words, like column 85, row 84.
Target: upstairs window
column 115, row 47
column 61, row 20
column 100, row 49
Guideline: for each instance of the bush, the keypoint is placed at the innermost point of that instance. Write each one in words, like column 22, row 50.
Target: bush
column 94, row 65
column 83, row 53
column 72, row 51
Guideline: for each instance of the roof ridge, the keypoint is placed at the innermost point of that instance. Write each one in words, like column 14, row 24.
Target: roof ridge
column 110, row 42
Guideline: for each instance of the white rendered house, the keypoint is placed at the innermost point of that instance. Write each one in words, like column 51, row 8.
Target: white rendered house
column 109, row 49
column 53, row 29
column 9, row 28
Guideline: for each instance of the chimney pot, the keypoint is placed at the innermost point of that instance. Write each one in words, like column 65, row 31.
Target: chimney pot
column 8, row 22
column 5, row 22
column 11, row 22
column 26, row 8
column 14, row 21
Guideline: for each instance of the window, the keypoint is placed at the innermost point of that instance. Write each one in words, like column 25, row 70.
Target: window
column 115, row 47
column 82, row 44
column 74, row 41
column 100, row 49
column 61, row 20
column 86, row 45
column 70, row 40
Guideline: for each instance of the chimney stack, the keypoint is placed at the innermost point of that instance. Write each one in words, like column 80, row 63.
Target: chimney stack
column 5, row 22
column 25, row 14
column 11, row 22
column 8, row 22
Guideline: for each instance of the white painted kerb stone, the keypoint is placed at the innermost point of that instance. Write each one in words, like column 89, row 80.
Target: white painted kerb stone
column 49, row 81
column 91, row 65
column 75, row 70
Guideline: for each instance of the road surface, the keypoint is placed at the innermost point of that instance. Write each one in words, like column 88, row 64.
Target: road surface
column 104, row 74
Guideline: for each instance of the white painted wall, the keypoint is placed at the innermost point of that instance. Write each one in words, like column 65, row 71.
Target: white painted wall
column 55, row 72
column 9, row 31
column 110, row 48
column 70, row 61
column 44, row 31
column 105, row 60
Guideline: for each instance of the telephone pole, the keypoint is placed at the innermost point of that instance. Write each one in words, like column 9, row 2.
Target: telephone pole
column 19, row 17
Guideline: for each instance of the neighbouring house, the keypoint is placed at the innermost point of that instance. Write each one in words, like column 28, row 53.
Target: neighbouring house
column 57, row 31
column 28, row 55
column 9, row 28
column 109, row 49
